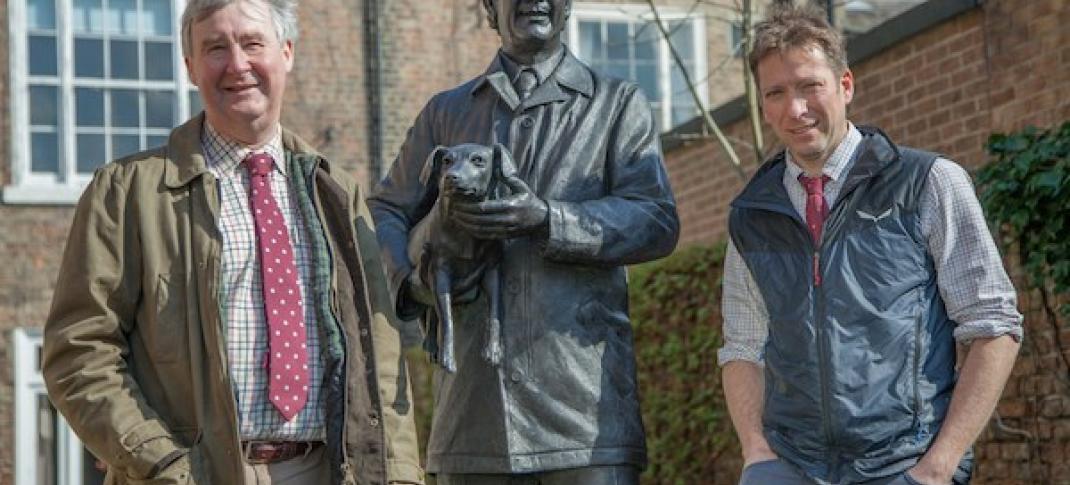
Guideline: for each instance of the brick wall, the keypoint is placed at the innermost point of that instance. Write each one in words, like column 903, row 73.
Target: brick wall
column 995, row 68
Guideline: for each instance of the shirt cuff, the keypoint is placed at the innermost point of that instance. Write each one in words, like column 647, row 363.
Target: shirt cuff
column 968, row 332
column 731, row 352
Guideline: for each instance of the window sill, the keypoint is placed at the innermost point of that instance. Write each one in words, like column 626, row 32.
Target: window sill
column 45, row 194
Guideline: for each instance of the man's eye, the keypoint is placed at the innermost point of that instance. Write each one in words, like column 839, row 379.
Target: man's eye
column 447, row 161
column 477, row 160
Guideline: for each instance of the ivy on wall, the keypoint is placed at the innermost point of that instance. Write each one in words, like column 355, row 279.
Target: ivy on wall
column 1025, row 191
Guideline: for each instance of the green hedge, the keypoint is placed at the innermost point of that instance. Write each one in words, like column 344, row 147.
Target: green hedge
column 676, row 313
column 675, row 309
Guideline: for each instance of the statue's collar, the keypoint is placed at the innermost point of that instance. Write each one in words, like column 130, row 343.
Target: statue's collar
column 570, row 73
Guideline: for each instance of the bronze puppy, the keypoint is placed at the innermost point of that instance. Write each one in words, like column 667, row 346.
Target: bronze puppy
column 454, row 262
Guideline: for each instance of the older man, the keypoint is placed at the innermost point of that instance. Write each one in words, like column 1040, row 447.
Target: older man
column 854, row 267
column 591, row 196
column 221, row 314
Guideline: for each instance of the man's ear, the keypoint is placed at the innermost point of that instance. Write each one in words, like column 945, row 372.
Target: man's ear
column 433, row 165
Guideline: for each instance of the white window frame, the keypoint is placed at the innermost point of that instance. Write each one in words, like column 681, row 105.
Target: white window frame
column 634, row 12
column 26, row 187
column 29, row 384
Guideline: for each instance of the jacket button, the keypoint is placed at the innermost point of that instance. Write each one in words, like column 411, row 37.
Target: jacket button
column 374, row 422
column 512, row 285
column 363, row 332
column 515, row 377
column 527, row 123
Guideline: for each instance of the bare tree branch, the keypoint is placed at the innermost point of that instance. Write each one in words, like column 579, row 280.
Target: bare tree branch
column 710, row 124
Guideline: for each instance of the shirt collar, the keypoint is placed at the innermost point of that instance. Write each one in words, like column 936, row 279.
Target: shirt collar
column 223, row 155
column 543, row 69
column 838, row 164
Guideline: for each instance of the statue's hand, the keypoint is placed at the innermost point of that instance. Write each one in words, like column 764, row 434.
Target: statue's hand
column 519, row 214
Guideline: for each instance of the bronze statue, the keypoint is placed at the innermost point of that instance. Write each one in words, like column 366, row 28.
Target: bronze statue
column 589, row 196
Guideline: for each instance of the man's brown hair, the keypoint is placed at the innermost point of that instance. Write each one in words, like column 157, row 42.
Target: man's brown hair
column 797, row 26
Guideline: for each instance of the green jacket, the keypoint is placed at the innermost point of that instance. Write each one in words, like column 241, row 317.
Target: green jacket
column 134, row 350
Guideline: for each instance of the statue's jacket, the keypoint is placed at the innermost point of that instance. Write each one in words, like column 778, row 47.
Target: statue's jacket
column 859, row 364
column 565, row 393
column 134, row 349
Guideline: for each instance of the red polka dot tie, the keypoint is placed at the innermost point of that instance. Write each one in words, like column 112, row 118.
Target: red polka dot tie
column 816, row 207
column 288, row 357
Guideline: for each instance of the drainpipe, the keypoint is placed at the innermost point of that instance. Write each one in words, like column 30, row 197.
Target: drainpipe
column 373, row 82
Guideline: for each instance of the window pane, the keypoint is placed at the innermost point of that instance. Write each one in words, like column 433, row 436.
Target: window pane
column 646, row 41
column 42, row 55
column 591, row 40
column 47, row 444
column 156, row 17
column 90, row 152
column 683, row 39
column 89, row 106
column 617, row 41
column 159, row 109
column 125, row 112
column 618, row 70
column 44, row 106
column 123, row 145
column 122, row 17
column 123, row 59
column 156, row 141
column 87, row 16
column 646, row 75
column 88, row 58
column 41, row 14
column 44, row 150
column 195, row 105
column 158, row 61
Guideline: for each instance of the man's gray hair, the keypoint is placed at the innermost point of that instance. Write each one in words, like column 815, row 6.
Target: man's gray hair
column 283, row 15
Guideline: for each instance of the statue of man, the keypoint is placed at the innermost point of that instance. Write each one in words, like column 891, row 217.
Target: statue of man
column 590, row 196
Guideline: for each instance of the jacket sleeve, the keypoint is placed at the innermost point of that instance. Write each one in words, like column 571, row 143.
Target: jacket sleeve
column 399, row 201
column 85, row 337
column 636, row 221
column 395, row 390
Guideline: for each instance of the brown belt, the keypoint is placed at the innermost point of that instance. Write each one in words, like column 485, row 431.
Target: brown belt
column 264, row 452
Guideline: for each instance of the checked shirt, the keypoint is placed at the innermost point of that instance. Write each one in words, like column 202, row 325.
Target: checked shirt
column 242, row 304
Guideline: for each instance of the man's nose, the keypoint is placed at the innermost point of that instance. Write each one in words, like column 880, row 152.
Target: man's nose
column 237, row 60
column 797, row 108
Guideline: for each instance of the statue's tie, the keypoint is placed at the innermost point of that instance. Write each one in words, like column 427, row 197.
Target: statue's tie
column 288, row 359
column 525, row 83
column 816, row 207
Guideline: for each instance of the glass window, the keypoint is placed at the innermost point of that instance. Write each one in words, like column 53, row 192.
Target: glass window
column 46, row 451
column 624, row 43
column 123, row 84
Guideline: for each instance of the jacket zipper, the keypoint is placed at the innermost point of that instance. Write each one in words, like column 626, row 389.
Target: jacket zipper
column 822, row 355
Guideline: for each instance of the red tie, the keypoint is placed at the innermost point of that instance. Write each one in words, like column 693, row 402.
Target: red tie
column 816, row 207
column 288, row 359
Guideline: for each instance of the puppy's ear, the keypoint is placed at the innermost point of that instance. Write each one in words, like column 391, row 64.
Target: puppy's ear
column 504, row 166
column 432, row 167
